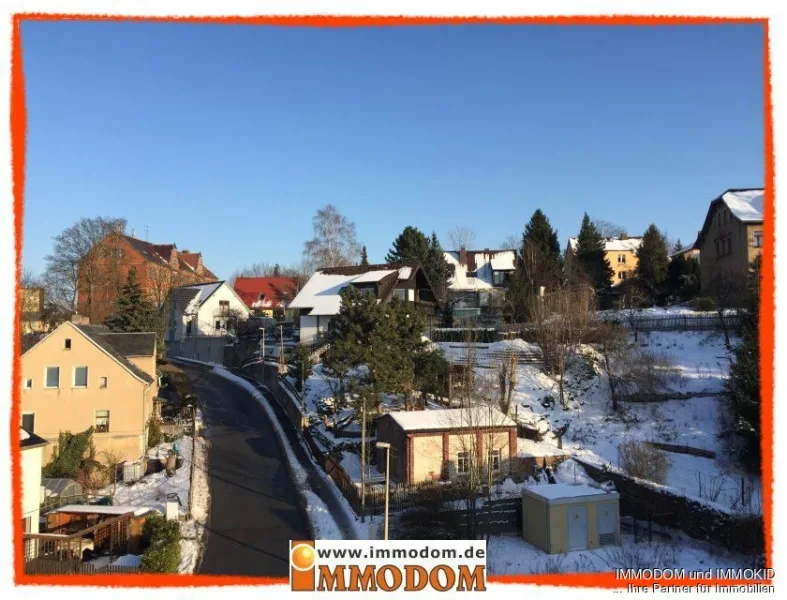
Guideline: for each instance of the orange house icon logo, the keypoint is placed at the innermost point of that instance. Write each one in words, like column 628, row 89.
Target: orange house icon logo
column 302, row 559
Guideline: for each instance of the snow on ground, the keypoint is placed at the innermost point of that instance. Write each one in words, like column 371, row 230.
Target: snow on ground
column 699, row 367
column 509, row 555
column 661, row 311
column 153, row 490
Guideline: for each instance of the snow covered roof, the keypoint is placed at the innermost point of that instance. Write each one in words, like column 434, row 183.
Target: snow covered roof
column 322, row 292
column 99, row 509
column 567, row 491
column 614, row 244
column 451, row 418
column 29, row 440
column 746, row 205
column 482, row 263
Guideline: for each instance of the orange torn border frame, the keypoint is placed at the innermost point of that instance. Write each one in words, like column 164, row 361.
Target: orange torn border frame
column 597, row 580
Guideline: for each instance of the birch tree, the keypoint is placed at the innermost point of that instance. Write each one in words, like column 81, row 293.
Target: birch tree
column 334, row 243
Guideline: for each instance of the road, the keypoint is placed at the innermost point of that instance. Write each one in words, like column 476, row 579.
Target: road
column 253, row 512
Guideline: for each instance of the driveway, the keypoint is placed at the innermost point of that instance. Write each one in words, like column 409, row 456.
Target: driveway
column 253, row 512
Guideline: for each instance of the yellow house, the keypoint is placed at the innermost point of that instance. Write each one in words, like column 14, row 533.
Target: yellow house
column 564, row 517
column 430, row 445
column 621, row 253
column 32, row 300
column 731, row 236
column 82, row 376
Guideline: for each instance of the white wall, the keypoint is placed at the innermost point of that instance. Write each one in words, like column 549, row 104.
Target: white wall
column 31, row 485
column 311, row 326
column 205, row 313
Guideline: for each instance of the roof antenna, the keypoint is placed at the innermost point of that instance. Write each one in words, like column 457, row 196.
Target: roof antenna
column 146, row 232
column 132, row 232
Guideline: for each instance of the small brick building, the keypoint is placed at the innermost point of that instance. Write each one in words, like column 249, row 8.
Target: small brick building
column 433, row 445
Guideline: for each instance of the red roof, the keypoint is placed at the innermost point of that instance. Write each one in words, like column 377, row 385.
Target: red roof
column 266, row 292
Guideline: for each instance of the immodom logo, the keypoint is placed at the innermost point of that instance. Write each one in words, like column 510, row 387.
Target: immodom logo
column 387, row 566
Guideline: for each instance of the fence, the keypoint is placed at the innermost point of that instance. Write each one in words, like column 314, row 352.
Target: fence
column 679, row 323
column 205, row 348
column 43, row 566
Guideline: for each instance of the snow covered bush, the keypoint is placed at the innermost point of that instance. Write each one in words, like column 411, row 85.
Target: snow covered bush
column 643, row 460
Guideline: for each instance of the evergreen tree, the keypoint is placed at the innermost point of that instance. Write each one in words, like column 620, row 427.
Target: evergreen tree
column 364, row 257
column 653, row 257
column 677, row 247
column 300, row 367
column 683, row 278
column 590, row 253
column 743, row 385
column 538, row 264
column 135, row 312
column 410, row 246
column 413, row 246
column 276, row 270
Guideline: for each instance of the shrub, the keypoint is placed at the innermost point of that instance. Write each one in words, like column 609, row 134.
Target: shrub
column 162, row 539
column 703, row 304
column 643, row 460
column 74, row 455
column 155, row 436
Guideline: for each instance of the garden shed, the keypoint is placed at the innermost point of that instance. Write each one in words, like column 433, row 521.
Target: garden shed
column 564, row 517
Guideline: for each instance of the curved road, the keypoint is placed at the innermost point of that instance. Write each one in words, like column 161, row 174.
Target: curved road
column 253, row 512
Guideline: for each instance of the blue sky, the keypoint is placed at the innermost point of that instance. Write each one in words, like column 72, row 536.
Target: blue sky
column 226, row 139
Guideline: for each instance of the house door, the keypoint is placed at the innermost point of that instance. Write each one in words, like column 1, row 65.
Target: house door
column 29, row 422
column 577, row 527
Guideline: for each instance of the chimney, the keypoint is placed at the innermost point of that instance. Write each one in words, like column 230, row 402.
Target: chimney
column 624, row 236
column 200, row 268
column 462, row 256
column 173, row 257
column 80, row 319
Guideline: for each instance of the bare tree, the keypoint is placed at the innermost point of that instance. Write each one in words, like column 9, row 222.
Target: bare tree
column 561, row 319
column 31, row 279
column 727, row 292
column 113, row 459
column 334, row 243
column 461, row 237
column 636, row 296
column 608, row 229
column 512, row 242
column 507, row 374
column 614, row 349
column 71, row 261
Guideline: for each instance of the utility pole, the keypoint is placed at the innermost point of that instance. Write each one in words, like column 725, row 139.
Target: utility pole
column 281, row 348
column 262, row 329
column 363, row 459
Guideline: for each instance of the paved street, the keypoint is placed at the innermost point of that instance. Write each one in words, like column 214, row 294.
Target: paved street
column 253, row 512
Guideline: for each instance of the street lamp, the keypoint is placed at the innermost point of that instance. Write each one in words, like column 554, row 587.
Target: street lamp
column 387, row 447
column 262, row 329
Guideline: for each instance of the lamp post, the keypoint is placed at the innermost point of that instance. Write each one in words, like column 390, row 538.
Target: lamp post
column 387, row 447
column 262, row 329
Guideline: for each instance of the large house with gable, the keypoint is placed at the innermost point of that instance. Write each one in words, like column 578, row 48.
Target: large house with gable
column 158, row 267
column 478, row 278
column 320, row 299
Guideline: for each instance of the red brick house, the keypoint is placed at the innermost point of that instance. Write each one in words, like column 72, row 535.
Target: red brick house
column 433, row 445
column 159, row 268
column 266, row 296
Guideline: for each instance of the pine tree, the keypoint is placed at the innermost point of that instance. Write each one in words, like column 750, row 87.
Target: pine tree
column 677, row 247
column 683, row 278
column 410, row 246
column 364, row 257
column 743, row 385
column 413, row 246
column 591, row 256
column 538, row 264
column 276, row 270
column 300, row 366
column 135, row 312
column 653, row 257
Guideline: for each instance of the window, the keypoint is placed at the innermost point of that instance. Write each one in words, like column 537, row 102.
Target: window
column 68, row 344
column 471, row 273
column 499, row 278
column 102, row 382
column 401, row 294
column 102, row 421
column 494, row 460
column 463, row 463
column 188, row 328
column 217, row 325
column 622, row 259
column 224, row 307
column 29, row 422
column 620, row 276
column 29, row 383
column 80, row 377
column 757, row 239
column 52, row 377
